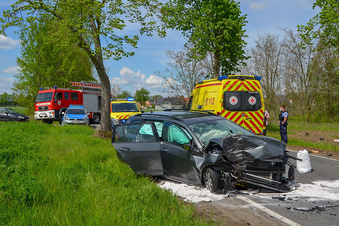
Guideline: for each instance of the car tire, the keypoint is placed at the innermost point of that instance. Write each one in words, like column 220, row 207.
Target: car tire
column 291, row 173
column 96, row 119
column 212, row 180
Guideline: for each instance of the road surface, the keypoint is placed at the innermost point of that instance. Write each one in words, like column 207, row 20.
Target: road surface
column 315, row 202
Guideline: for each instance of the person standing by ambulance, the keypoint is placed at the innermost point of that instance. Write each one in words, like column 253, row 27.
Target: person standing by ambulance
column 283, row 116
column 266, row 117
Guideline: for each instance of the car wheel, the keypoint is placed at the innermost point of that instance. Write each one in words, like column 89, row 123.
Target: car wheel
column 96, row 119
column 212, row 180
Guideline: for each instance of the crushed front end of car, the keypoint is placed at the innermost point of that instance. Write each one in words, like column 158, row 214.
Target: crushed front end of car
column 259, row 162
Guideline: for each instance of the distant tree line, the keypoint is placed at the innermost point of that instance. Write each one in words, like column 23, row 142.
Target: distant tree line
column 7, row 100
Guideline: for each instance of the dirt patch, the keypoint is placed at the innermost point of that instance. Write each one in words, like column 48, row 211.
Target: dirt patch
column 102, row 134
column 233, row 212
column 317, row 136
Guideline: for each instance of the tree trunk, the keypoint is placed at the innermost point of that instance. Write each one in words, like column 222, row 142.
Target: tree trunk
column 104, row 80
column 105, row 94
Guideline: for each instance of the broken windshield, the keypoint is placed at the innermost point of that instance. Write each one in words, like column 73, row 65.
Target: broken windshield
column 206, row 131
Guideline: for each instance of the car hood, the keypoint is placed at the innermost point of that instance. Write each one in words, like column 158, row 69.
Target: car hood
column 76, row 116
column 239, row 148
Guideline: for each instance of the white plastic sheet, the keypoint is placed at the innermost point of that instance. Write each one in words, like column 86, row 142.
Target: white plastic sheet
column 304, row 166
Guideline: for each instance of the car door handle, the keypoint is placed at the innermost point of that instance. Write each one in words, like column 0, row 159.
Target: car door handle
column 124, row 149
column 163, row 149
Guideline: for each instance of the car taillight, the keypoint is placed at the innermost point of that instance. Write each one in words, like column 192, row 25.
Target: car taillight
column 218, row 113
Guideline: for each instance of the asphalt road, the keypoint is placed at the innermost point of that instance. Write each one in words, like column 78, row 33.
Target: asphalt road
column 315, row 202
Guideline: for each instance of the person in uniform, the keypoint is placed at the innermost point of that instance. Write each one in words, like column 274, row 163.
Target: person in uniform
column 266, row 117
column 283, row 116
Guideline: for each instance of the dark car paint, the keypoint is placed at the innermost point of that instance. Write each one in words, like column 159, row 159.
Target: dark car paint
column 188, row 166
column 12, row 116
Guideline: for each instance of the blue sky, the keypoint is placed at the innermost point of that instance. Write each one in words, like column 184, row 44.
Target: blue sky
column 138, row 71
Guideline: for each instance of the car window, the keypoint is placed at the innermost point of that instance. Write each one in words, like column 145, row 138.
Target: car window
column 74, row 96
column 208, row 130
column 134, row 133
column 75, row 111
column 176, row 135
column 242, row 101
column 2, row 111
column 66, row 95
column 124, row 107
column 159, row 126
column 10, row 110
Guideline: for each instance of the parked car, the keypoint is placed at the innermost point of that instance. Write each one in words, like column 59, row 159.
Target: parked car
column 8, row 114
column 202, row 149
column 75, row 115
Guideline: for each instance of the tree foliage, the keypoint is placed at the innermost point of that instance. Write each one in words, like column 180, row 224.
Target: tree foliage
column 214, row 26
column 90, row 22
column 47, row 61
column 124, row 94
column 305, row 78
column 7, row 99
column 141, row 96
column 324, row 26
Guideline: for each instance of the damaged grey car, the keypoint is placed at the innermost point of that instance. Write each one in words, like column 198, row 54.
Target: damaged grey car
column 202, row 149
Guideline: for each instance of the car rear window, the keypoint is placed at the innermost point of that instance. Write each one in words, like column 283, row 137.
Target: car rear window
column 242, row 101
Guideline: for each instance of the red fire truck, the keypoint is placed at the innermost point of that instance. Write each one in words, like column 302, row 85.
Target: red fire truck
column 51, row 102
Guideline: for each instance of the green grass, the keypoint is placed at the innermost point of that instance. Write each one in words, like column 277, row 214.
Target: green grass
column 51, row 175
column 293, row 127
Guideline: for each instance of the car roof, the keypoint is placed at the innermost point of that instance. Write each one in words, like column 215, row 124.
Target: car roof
column 187, row 117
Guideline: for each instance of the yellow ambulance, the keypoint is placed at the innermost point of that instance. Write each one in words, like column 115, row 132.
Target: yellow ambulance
column 236, row 97
column 122, row 109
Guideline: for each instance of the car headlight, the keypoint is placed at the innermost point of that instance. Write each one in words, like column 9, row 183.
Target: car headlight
column 22, row 117
column 66, row 117
column 85, row 118
column 114, row 121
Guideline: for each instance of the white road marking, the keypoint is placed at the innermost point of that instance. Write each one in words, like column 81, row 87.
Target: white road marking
column 270, row 212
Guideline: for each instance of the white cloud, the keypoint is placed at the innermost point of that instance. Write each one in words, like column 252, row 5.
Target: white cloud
column 154, row 80
column 6, row 84
column 12, row 70
column 8, row 43
column 132, row 81
column 257, row 5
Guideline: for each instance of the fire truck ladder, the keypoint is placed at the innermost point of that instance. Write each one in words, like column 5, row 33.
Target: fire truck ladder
column 86, row 85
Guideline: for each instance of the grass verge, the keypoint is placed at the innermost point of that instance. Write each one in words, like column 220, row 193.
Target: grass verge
column 297, row 130
column 66, row 176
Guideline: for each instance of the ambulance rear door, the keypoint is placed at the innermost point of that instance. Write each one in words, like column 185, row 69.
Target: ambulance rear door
column 244, row 108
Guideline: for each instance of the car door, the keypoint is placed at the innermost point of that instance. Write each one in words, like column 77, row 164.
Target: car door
column 139, row 146
column 177, row 158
